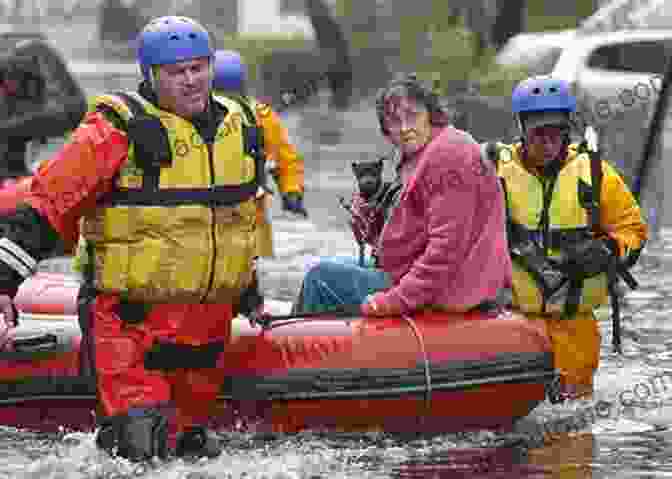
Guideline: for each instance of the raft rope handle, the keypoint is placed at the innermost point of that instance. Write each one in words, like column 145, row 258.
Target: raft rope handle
column 428, row 375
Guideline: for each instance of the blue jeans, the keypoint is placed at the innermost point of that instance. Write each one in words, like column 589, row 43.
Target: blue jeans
column 337, row 281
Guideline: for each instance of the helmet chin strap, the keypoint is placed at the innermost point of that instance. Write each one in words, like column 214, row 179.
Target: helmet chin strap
column 519, row 124
column 212, row 75
column 151, row 78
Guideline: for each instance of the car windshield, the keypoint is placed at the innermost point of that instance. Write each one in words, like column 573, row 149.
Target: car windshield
column 650, row 182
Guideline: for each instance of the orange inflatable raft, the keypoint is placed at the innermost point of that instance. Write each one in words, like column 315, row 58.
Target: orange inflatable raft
column 430, row 373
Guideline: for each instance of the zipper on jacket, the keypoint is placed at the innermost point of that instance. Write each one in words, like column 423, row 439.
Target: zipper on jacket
column 213, row 234
column 547, row 187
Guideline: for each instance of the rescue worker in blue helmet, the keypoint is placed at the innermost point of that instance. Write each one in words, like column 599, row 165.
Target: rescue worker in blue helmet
column 573, row 227
column 160, row 183
column 283, row 161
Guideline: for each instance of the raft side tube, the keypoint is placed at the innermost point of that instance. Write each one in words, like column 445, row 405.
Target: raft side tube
column 392, row 382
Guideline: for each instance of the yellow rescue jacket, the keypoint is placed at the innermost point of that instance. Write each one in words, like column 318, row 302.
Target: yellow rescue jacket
column 182, row 231
column 279, row 150
column 289, row 163
column 288, row 168
column 568, row 208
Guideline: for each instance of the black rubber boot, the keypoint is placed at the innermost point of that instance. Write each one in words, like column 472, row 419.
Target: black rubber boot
column 107, row 438
column 139, row 436
column 197, row 442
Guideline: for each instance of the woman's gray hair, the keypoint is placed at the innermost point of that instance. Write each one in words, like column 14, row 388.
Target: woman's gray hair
column 410, row 86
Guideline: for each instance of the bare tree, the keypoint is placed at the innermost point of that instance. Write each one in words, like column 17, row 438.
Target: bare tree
column 510, row 21
column 333, row 44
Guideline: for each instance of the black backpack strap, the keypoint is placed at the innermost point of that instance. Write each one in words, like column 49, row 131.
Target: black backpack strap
column 150, row 141
column 618, row 269
column 153, row 151
column 596, row 182
column 490, row 153
column 244, row 103
column 253, row 139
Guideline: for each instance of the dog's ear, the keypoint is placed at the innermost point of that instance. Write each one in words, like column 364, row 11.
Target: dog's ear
column 356, row 168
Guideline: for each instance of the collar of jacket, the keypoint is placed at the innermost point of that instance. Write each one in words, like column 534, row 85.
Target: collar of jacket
column 206, row 123
column 406, row 160
column 549, row 169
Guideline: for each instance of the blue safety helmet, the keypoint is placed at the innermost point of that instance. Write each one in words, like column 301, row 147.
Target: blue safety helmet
column 542, row 93
column 543, row 100
column 230, row 71
column 171, row 39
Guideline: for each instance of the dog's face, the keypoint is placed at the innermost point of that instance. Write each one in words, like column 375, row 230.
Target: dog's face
column 369, row 175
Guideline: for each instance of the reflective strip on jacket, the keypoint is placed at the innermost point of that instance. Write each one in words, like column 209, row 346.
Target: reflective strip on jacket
column 569, row 219
column 178, row 253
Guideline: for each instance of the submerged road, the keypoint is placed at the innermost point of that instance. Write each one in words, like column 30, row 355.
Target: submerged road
column 631, row 442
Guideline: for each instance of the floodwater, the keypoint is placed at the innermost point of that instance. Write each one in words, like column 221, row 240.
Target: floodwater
column 600, row 438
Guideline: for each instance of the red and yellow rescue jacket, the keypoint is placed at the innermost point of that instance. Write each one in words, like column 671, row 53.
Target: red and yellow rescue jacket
column 187, row 232
column 568, row 220
column 288, row 168
column 279, row 150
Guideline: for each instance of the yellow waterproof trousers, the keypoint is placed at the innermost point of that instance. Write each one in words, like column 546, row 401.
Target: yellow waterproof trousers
column 576, row 348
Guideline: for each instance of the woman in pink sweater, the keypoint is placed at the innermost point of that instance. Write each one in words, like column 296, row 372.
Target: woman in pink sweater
column 443, row 244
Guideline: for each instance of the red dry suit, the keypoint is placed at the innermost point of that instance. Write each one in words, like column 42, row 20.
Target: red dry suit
column 192, row 331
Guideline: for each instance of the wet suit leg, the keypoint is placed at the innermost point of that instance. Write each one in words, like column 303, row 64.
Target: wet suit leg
column 195, row 389
column 130, row 396
column 196, row 383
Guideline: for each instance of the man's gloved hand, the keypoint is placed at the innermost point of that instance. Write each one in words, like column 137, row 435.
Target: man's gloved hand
column 591, row 257
column 552, row 280
column 250, row 301
column 251, row 305
column 378, row 305
column 293, row 202
column 260, row 316
column 546, row 270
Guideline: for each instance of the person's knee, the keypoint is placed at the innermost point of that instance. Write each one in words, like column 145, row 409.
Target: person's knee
column 116, row 354
column 325, row 269
column 327, row 279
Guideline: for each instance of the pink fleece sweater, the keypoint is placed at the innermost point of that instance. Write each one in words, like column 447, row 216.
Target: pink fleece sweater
column 445, row 243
